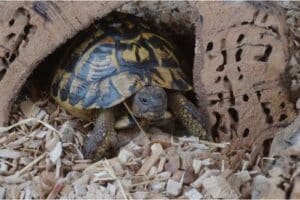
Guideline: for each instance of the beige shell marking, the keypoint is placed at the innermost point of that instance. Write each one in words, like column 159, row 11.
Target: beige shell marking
column 124, row 81
column 130, row 55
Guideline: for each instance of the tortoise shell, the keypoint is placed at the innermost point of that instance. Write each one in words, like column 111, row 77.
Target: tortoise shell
column 113, row 60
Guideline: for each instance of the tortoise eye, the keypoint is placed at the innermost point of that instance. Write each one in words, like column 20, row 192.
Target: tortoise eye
column 143, row 100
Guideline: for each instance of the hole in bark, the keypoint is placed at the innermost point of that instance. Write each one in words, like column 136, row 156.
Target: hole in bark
column 255, row 15
column 241, row 77
column 220, row 95
column 4, row 62
column 218, row 79
column 240, row 38
column 22, row 11
column 267, row 146
column 265, row 57
column 245, row 98
column 10, row 36
column 213, row 102
column 233, row 130
column 12, row 57
column 233, row 114
column 215, row 127
column 258, row 94
column 2, row 73
column 282, row 105
column 226, row 79
column 238, row 55
column 282, row 117
column 246, row 132
column 11, row 22
column 221, row 67
column 274, row 29
column 264, row 19
column 265, row 108
column 7, row 55
column 269, row 119
column 27, row 28
column 267, row 111
column 232, row 98
column 239, row 69
column 210, row 46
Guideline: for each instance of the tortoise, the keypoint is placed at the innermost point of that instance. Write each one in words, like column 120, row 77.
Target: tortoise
column 121, row 58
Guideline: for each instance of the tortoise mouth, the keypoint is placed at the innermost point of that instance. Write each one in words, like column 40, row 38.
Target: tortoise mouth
column 152, row 116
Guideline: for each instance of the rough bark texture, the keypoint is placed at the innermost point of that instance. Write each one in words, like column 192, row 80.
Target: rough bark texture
column 240, row 59
column 32, row 30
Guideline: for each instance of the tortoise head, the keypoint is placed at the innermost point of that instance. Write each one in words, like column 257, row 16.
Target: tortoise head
column 150, row 103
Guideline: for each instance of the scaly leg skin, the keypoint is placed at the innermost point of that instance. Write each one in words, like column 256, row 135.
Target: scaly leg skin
column 99, row 143
column 188, row 114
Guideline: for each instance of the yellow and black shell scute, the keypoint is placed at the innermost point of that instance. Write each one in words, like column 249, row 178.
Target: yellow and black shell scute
column 114, row 59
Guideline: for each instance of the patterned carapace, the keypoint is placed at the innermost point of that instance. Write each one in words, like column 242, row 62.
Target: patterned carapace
column 114, row 59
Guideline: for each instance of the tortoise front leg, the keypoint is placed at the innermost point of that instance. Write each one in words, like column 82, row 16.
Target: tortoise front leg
column 188, row 114
column 97, row 145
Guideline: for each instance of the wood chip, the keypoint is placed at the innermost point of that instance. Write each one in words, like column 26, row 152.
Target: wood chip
column 267, row 188
column 164, row 175
column 177, row 175
column 199, row 181
column 116, row 165
column 173, row 162
column 80, row 190
column 9, row 153
column 158, row 186
column 125, row 156
column 112, row 189
column 17, row 142
column 152, row 172
column 173, row 187
column 156, row 150
column 55, row 154
column 161, row 164
column 218, row 187
column 189, row 176
column 261, row 187
column 2, row 192
column 68, row 132
column 160, row 137
column 56, row 189
column 197, row 165
column 3, row 167
column 80, row 166
column 193, row 194
column 186, row 160
column 140, row 195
